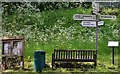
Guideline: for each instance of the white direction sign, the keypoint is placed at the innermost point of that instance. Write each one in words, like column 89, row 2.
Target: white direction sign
column 88, row 23
column 100, row 23
column 91, row 23
column 84, row 17
column 95, row 7
column 113, row 43
column 107, row 17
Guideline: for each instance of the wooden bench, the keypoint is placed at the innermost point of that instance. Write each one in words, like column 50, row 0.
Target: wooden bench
column 74, row 56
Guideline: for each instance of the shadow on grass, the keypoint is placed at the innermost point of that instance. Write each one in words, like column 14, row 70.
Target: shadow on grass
column 71, row 66
column 74, row 65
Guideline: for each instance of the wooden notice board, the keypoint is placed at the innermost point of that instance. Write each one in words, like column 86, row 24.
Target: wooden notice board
column 13, row 52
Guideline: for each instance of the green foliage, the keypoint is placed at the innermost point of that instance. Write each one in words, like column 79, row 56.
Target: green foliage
column 110, row 11
column 55, row 28
column 11, row 7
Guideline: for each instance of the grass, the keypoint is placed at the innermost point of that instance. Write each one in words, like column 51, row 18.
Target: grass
column 104, row 52
column 64, row 18
column 104, row 56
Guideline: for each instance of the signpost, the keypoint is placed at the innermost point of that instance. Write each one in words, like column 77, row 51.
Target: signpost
column 95, row 7
column 92, row 21
column 113, row 44
column 84, row 17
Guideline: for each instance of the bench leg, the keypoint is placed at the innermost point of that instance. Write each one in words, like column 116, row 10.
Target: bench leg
column 52, row 63
column 95, row 59
column 95, row 63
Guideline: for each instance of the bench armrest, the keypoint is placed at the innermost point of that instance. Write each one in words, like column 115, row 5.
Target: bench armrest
column 95, row 56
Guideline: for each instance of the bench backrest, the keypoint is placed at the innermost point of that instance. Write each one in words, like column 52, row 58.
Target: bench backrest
column 74, row 54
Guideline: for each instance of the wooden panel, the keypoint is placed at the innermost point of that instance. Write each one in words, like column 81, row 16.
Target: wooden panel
column 74, row 56
column 76, row 50
column 78, row 54
column 66, row 54
column 75, row 60
column 88, row 55
column 81, row 54
column 91, row 55
column 71, row 55
column 59, row 54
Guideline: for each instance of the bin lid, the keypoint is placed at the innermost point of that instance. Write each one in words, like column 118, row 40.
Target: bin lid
column 39, row 51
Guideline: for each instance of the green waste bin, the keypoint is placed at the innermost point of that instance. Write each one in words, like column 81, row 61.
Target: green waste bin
column 39, row 60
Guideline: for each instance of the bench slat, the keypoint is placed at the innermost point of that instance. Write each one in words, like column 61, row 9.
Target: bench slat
column 69, row 54
column 86, row 55
column 76, row 54
column 79, row 60
column 90, row 55
column 66, row 54
column 75, row 50
column 59, row 54
column 81, row 55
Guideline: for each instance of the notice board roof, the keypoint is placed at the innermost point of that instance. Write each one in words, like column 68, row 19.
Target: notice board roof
column 5, row 38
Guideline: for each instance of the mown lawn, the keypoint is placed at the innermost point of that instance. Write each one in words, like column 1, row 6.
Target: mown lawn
column 104, row 62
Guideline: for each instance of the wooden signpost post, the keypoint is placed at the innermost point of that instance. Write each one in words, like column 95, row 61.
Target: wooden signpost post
column 95, row 7
column 92, row 20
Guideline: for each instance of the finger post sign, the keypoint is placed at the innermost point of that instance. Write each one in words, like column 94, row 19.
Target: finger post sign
column 107, row 17
column 84, row 17
column 95, row 7
column 91, row 23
